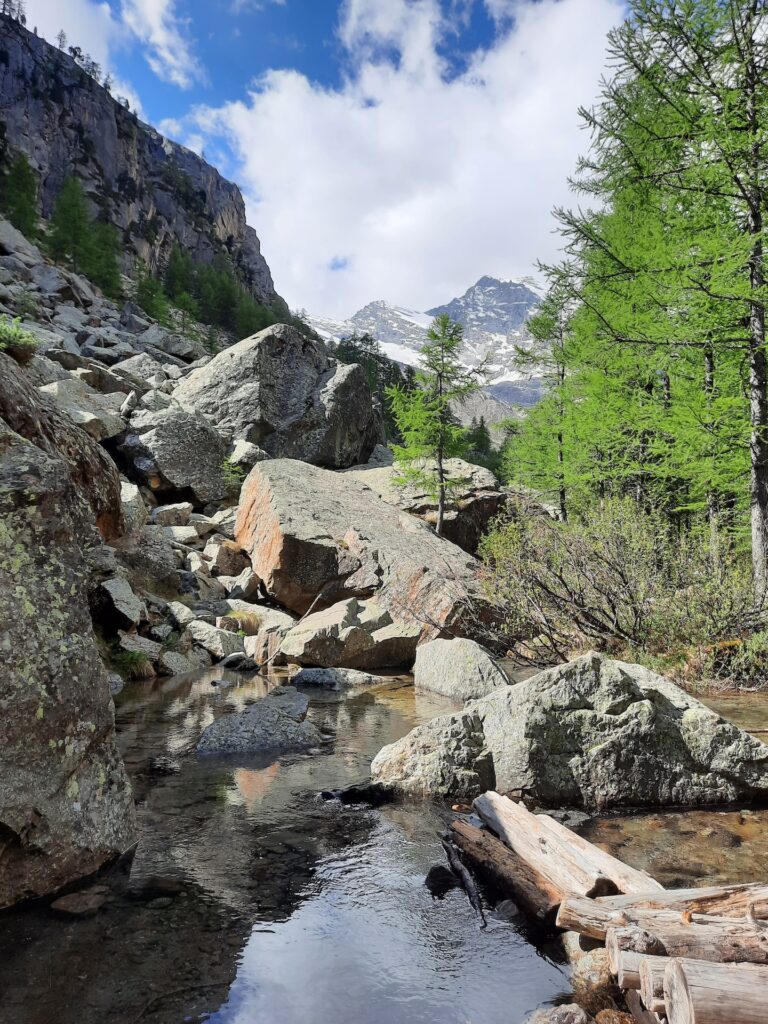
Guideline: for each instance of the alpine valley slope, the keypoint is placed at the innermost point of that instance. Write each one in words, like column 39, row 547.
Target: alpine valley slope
column 493, row 313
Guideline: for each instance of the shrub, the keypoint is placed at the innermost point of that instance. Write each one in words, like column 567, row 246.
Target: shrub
column 249, row 623
column 132, row 664
column 18, row 343
column 233, row 474
column 621, row 580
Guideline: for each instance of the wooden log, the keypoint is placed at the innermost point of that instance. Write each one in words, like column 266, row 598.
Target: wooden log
column 622, row 941
column 696, row 936
column 707, row 993
column 640, row 1013
column 652, row 970
column 594, row 917
column 569, row 862
column 464, row 875
column 627, row 969
column 493, row 860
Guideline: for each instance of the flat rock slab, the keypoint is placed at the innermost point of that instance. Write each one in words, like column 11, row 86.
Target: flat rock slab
column 275, row 724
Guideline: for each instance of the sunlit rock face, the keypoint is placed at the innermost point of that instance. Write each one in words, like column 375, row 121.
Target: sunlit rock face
column 156, row 192
column 65, row 801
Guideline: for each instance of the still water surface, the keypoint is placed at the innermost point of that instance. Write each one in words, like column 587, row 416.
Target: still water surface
column 251, row 901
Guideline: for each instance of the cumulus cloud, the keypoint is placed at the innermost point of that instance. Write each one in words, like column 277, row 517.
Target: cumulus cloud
column 409, row 182
column 170, row 53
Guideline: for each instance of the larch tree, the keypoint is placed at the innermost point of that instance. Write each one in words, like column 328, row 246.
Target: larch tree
column 425, row 418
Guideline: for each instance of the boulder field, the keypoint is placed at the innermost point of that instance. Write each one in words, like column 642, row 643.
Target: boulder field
column 594, row 733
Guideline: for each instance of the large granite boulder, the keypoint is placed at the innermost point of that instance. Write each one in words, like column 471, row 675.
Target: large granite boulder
column 595, row 733
column 475, row 497
column 275, row 724
column 316, row 537
column 65, row 801
column 457, row 668
column 282, row 391
column 35, row 417
column 97, row 414
column 351, row 634
column 177, row 453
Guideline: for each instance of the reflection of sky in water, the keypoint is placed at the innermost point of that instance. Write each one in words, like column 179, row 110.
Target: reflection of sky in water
column 370, row 944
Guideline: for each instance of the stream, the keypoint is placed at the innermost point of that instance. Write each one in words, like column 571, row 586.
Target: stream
column 250, row 900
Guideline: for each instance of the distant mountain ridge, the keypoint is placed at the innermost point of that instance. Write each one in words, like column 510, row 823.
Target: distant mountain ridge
column 493, row 313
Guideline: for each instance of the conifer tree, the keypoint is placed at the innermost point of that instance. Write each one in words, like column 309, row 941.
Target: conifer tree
column 425, row 418
column 70, row 237
column 18, row 195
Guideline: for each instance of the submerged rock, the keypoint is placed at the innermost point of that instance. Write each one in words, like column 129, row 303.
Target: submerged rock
column 337, row 678
column 273, row 724
column 282, row 392
column 594, row 733
column 460, row 669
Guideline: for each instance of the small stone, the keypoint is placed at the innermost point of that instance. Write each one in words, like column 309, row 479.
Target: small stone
column 182, row 534
column 79, row 904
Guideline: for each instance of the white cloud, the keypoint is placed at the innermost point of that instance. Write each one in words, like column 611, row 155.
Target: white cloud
column 170, row 54
column 406, row 183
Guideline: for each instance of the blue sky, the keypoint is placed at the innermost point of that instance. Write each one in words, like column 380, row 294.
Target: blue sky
column 394, row 149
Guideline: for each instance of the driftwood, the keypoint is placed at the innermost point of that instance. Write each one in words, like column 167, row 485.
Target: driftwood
column 569, row 862
column 464, row 875
column 640, row 1013
column 652, row 970
column 707, row 993
column 627, row 967
column 493, row 860
column 594, row 917
column 696, row 936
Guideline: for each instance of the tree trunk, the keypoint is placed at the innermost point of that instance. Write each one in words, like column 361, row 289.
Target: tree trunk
column 440, row 495
column 704, row 993
column 595, row 917
column 712, row 502
column 724, row 939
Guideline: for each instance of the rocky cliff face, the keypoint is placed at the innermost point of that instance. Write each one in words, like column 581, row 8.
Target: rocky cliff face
column 156, row 192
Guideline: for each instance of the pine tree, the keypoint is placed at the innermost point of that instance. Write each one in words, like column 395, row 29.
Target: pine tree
column 100, row 261
column 61, row 39
column 18, row 195
column 70, row 237
column 424, row 416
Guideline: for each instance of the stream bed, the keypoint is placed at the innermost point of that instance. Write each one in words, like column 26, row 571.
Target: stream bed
column 252, row 901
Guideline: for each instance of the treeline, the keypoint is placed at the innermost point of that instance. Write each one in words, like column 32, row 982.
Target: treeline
column 653, row 332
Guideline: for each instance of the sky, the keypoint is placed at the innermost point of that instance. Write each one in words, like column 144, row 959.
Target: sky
column 386, row 149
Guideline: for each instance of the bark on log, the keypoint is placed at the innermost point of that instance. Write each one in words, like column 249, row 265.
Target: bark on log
column 707, row 993
column 569, row 862
column 652, row 970
column 696, row 936
column 492, row 859
column 620, row 941
column 640, row 1013
column 594, row 917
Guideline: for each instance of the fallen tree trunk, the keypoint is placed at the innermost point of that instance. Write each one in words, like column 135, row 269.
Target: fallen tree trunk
column 652, row 970
column 640, row 1013
column 625, row 964
column 464, row 875
column 707, row 993
column 699, row 937
column 492, row 859
column 569, row 862
column 594, row 917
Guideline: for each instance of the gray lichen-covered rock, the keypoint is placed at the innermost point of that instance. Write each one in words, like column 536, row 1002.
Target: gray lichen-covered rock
column 570, row 1014
column 218, row 642
column 97, row 414
column 316, row 538
column 595, row 733
column 457, row 668
column 173, row 452
column 282, row 391
column 65, row 801
column 337, row 678
column 274, row 724
column 351, row 634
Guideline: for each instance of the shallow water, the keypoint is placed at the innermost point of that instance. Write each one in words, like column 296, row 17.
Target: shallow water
column 251, row 900
column 702, row 847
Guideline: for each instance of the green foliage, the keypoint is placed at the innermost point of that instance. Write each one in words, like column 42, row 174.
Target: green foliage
column 151, row 297
column 18, row 343
column 233, row 474
column 27, row 303
column 618, row 578
column 424, row 416
column 132, row 664
column 249, row 623
column 18, row 195
column 89, row 246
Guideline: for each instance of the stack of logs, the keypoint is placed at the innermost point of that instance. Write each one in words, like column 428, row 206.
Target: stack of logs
column 687, row 956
